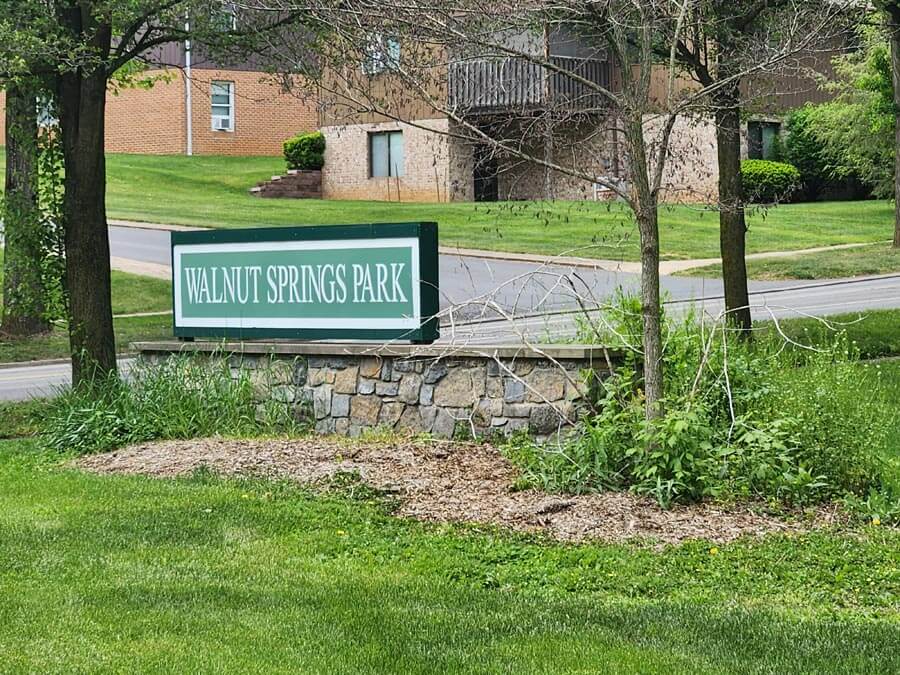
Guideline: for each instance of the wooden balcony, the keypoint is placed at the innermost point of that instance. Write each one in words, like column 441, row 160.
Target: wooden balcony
column 490, row 85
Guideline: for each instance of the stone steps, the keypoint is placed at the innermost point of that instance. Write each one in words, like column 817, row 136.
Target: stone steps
column 293, row 185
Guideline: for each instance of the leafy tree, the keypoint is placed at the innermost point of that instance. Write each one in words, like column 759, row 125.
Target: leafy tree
column 724, row 38
column 891, row 9
column 78, row 46
column 855, row 132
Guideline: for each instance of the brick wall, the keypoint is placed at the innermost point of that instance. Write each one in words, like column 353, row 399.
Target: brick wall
column 153, row 121
column 426, row 163
column 149, row 121
column 264, row 115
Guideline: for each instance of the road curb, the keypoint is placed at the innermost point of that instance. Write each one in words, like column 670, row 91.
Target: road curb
column 140, row 225
column 8, row 365
column 26, row 364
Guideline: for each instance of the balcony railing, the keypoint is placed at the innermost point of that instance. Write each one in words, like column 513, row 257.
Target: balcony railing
column 503, row 83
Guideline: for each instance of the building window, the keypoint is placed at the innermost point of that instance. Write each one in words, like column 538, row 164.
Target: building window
column 382, row 53
column 222, row 94
column 228, row 17
column 762, row 139
column 386, row 154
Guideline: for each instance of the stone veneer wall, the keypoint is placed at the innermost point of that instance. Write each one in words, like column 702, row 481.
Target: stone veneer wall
column 418, row 390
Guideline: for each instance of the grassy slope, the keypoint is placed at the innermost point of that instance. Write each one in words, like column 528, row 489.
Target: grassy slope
column 875, row 259
column 130, row 294
column 212, row 191
column 108, row 574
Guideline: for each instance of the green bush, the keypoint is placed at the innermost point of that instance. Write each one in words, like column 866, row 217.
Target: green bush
column 180, row 398
column 741, row 419
column 803, row 149
column 305, row 151
column 767, row 182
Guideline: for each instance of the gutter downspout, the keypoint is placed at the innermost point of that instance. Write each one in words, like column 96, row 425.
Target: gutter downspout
column 188, row 104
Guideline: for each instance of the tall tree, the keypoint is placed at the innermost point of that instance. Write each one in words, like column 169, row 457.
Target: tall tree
column 891, row 10
column 23, row 284
column 100, row 37
column 637, row 108
column 723, row 40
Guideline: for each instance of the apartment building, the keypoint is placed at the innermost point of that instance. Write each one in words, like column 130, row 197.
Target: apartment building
column 428, row 156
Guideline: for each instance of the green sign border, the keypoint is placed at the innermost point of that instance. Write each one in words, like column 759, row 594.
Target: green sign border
column 429, row 299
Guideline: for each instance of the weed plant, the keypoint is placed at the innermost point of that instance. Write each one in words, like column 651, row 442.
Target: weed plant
column 182, row 397
column 740, row 419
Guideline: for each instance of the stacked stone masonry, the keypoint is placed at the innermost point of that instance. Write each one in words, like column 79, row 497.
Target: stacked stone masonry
column 295, row 184
column 444, row 396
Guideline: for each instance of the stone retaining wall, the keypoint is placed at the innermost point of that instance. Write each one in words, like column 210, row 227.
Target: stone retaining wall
column 345, row 389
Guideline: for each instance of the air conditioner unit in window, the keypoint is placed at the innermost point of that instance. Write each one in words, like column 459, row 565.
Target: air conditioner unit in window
column 222, row 124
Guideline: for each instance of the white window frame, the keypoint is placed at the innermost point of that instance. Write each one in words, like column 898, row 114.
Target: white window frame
column 382, row 53
column 229, row 10
column 216, row 120
column 394, row 169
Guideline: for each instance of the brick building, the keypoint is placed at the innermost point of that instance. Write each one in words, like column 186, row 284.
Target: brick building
column 429, row 157
column 233, row 109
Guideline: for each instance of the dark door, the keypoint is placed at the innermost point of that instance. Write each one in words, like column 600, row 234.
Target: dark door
column 486, row 189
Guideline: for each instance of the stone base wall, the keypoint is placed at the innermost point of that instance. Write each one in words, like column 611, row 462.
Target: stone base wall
column 445, row 395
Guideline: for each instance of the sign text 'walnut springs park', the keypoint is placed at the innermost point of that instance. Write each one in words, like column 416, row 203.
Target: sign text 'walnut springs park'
column 338, row 282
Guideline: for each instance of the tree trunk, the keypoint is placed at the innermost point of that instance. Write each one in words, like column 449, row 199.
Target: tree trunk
column 82, row 102
column 23, row 287
column 893, row 16
column 732, row 221
column 650, row 312
column 646, row 211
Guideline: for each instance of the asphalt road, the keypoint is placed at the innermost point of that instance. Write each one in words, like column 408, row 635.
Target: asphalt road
column 543, row 299
column 43, row 380
column 478, row 286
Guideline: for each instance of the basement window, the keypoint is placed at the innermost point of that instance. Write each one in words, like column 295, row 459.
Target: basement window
column 222, row 96
column 386, row 154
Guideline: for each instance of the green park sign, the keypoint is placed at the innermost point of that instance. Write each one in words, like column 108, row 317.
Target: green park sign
column 367, row 282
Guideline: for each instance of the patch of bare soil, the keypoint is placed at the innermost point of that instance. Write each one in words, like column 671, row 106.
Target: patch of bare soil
column 446, row 482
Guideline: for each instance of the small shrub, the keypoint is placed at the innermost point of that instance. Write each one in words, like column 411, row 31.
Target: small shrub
column 305, row 151
column 768, row 182
column 180, row 398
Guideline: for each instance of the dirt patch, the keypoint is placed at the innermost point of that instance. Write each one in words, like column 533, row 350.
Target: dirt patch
column 445, row 482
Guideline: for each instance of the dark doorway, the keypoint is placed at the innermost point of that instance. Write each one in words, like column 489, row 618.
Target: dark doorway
column 486, row 189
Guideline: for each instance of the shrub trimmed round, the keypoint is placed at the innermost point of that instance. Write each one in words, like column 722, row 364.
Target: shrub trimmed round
column 767, row 182
column 305, row 152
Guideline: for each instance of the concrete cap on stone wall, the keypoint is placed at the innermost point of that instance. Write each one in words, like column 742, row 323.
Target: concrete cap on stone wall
column 581, row 352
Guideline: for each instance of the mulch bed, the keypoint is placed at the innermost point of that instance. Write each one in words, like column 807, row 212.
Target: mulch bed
column 449, row 482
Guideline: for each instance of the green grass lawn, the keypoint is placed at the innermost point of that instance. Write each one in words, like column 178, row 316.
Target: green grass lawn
column 212, row 191
column 130, row 294
column 108, row 574
column 875, row 334
column 853, row 262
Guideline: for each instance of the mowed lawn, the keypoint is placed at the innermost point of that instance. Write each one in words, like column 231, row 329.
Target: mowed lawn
column 112, row 574
column 850, row 262
column 213, row 192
